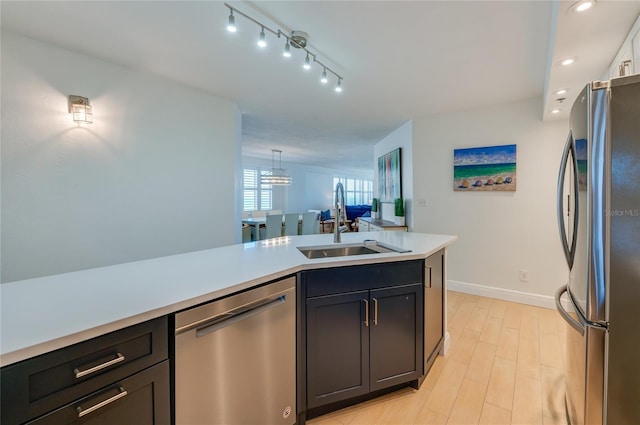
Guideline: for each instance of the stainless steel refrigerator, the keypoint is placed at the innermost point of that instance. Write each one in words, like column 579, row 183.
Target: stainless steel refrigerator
column 599, row 220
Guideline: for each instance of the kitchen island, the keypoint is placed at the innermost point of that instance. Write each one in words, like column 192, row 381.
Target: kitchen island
column 45, row 314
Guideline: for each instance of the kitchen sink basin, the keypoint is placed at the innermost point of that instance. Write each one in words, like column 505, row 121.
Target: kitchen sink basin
column 345, row 250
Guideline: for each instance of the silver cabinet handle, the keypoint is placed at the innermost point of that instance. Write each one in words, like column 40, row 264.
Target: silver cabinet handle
column 80, row 372
column 375, row 311
column 82, row 412
column 366, row 312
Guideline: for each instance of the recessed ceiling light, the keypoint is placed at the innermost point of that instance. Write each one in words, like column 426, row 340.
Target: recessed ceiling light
column 561, row 92
column 582, row 5
column 555, row 111
column 567, row 61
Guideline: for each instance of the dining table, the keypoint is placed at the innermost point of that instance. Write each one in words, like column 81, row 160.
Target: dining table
column 255, row 223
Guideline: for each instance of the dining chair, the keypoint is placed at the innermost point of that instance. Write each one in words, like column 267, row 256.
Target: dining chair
column 291, row 224
column 273, row 227
column 246, row 233
column 310, row 223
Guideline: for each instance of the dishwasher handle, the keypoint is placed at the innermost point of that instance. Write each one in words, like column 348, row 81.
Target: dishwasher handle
column 208, row 329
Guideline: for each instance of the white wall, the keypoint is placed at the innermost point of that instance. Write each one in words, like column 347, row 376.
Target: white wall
column 499, row 233
column 312, row 186
column 144, row 180
column 402, row 138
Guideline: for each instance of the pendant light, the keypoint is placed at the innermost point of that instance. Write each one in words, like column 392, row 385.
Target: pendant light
column 277, row 177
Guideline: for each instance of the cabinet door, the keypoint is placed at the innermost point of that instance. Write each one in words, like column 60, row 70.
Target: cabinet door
column 396, row 335
column 141, row 399
column 337, row 347
column 434, row 301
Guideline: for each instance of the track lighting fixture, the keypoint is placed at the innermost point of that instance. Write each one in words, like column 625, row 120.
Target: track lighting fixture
column 231, row 27
column 262, row 42
column 297, row 39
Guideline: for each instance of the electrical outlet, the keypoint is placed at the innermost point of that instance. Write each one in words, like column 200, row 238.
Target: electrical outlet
column 422, row 203
column 524, row 275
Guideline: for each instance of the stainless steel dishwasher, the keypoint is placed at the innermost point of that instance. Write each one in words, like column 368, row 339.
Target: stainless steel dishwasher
column 235, row 360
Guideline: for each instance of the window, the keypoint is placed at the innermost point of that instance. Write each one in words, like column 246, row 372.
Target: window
column 254, row 195
column 356, row 191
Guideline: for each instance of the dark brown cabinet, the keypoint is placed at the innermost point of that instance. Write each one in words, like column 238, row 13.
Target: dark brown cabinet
column 433, row 308
column 395, row 336
column 120, row 377
column 364, row 329
column 337, row 348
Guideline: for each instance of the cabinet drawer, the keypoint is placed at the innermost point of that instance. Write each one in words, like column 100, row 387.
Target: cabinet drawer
column 356, row 278
column 44, row 383
column 141, row 399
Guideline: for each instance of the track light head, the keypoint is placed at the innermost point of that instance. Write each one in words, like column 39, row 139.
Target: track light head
column 287, row 50
column 231, row 27
column 262, row 42
column 324, row 79
column 307, row 63
column 339, row 86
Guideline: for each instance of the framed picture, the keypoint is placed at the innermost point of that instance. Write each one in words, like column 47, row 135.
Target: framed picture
column 490, row 168
column 389, row 180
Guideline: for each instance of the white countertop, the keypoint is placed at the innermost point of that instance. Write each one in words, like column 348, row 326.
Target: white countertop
column 43, row 314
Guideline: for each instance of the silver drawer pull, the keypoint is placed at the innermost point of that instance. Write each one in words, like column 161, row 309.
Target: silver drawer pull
column 80, row 373
column 366, row 312
column 375, row 311
column 82, row 412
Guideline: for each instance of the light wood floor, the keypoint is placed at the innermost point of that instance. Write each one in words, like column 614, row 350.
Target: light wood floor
column 505, row 366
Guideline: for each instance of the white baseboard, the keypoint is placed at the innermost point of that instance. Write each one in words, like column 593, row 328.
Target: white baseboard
column 537, row 300
column 446, row 345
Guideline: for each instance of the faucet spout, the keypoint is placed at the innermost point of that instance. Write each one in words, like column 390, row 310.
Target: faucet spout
column 340, row 209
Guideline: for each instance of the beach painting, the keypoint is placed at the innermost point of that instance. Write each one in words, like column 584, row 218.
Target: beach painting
column 491, row 168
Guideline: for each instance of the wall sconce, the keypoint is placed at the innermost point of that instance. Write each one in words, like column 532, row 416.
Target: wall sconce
column 80, row 109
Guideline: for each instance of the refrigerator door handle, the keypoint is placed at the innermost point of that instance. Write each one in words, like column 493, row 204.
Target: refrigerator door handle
column 569, row 250
column 566, row 316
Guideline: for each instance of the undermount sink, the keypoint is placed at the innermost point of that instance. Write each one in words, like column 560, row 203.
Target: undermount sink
column 345, row 250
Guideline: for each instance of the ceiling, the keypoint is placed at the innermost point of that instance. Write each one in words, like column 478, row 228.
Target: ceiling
column 399, row 60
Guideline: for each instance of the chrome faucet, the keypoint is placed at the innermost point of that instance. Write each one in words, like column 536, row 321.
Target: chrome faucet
column 339, row 204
